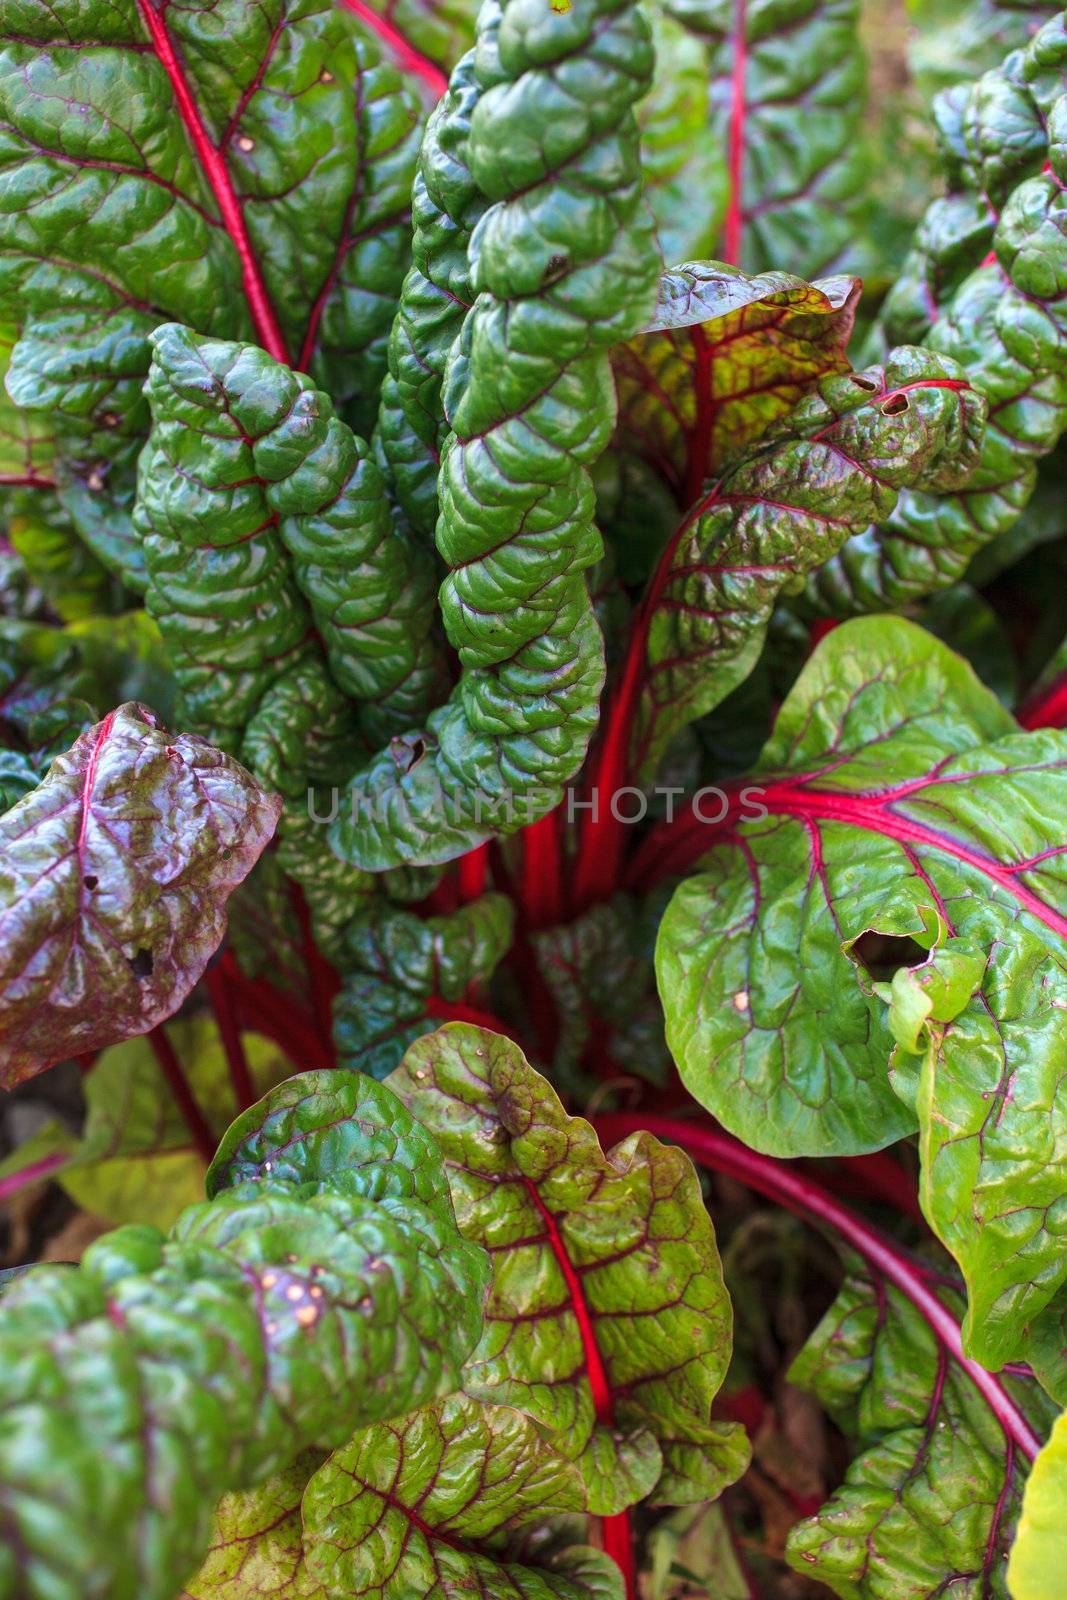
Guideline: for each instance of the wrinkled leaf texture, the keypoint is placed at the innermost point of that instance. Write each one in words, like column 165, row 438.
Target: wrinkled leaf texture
column 322, row 1286
column 114, row 875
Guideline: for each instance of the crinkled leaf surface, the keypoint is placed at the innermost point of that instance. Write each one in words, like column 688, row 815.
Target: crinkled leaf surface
column 257, row 1545
column 563, row 267
column 263, row 516
column 725, row 355
column 114, row 875
column 787, row 95
column 242, row 168
column 424, row 1506
column 608, row 1322
column 818, row 474
column 897, row 789
column 1039, row 1553
column 986, row 284
column 928, row 1504
column 396, row 963
column 322, row 1287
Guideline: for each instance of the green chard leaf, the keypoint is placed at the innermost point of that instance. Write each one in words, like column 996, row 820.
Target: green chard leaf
column 425, row 1506
column 42, row 709
column 598, row 969
column 249, row 453
column 437, row 30
column 322, row 1287
column 683, row 179
column 928, row 1504
column 608, row 1323
column 682, row 157
column 397, row 964
column 563, row 265
column 1036, row 1563
column 954, row 43
column 814, row 477
column 986, row 285
column 992, row 1123
column 896, row 797
column 242, row 168
column 723, row 357
column 436, row 295
column 257, row 1545
column 26, row 444
column 114, row 874
column 787, row 101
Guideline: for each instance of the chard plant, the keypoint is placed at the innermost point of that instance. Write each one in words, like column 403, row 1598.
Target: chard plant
column 532, row 705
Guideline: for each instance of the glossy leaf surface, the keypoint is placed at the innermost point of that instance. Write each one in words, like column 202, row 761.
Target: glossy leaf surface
column 897, row 789
column 114, row 876
column 722, row 358
column 324, row 1285
column 425, row 1506
column 562, row 269
column 820, row 473
column 605, row 1268
column 929, row 1502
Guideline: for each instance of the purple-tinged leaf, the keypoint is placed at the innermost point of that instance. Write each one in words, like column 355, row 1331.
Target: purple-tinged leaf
column 722, row 358
column 114, row 875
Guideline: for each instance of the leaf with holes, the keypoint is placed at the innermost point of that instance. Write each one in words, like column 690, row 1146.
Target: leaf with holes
column 605, row 1270
column 894, row 792
column 114, row 875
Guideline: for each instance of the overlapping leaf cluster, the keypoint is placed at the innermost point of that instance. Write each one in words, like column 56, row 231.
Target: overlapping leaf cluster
column 324, row 1285
column 388, row 455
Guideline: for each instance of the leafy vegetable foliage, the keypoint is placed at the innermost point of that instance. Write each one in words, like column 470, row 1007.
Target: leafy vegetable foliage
column 588, row 1249
column 363, row 427
column 984, row 284
column 931, row 1497
column 528, row 402
column 322, row 1286
column 114, row 874
column 173, row 164
column 887, row 787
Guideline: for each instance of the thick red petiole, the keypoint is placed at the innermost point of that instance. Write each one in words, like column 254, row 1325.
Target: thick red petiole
column 402, row 50
column 542, row 872
column 473, row 872
column 244, row 1090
